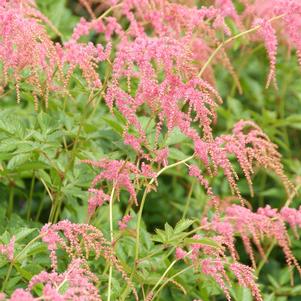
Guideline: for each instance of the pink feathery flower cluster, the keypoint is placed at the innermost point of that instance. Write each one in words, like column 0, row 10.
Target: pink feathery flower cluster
column 252, row 226
column 8, row 250
column 28, row 54
column 87, row 55
column 25, row 46
column 123, row 224
column 117, row 172
column 96, row 200
column 160, row 65
column 79, row 241
column 211, row 261
column 281, row 16
column 121, row 174
column 76, row 283
column 269, row 36
column 250, row 145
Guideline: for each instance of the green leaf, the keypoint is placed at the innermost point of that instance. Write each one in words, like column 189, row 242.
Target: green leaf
column 18, row 160
column 202, row 241
column 183, row 224
column 24, row 232
column 114, row 125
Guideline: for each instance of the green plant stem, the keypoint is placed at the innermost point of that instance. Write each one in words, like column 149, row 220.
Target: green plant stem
column 15, row 259
column 139, row 219
column 7, row 277
column 29, row 204
column 144, row 198
column 112, row 239
column 265, row 259
column 169, row 279
column 41, row 205
column 58, row 208
column 188, row 199
column 228, row 41
column 10, row 201
column 164, row 274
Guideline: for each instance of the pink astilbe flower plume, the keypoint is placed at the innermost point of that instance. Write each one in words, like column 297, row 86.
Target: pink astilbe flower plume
column 123, row 224
column 8, row 250
column 270, row 39
column 117, row 172
column 78, row 278
column 79, row 241
column 215, row 269
column 245, row 276
column 96, row 200
column 251, row 227
column 87, row 56
column 250, row 146
column 25, row 46
column 164, row 97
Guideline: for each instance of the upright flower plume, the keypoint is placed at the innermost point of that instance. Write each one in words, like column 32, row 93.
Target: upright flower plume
column 118, row 173
column 79, row 241
column 8, row 250
column 79, row 280
column 26, row 51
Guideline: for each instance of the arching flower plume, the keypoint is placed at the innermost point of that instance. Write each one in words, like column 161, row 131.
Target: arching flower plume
column 79, row 279
column 79, row 241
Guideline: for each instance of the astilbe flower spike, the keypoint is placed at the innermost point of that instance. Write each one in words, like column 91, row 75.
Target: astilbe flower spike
column 25, row 46
column 8, row 250
column 79, row 241
column 28, row 54
column 96, row 200
column 123, row 224
column 250, row 146
column 79, row 279
column 252, row 226
column 118, row 172
column 270, row 39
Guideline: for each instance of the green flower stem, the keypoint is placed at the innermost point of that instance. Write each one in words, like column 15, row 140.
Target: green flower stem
column 188, row 199
column 146, row 191
column 144, row 198
column 112, row 238
column 228, row 41
column 163, row 276
column 169, row 279
column 29, row 204
column 10, row 201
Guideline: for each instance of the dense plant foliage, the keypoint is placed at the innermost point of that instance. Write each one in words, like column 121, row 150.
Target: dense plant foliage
column 150, row 150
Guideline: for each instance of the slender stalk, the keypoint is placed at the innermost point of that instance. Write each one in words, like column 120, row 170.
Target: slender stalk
column 112, row 239
column 41, row 205
column 169, row 279
column 10, row 201
column 144, row 198
column 139, row 219
column 7, row 276
column 109, row 10
column 29, row 204
column 226, row 42
column 265, row 259
column 163, row 276
column 188, row 199
column 58, row 208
